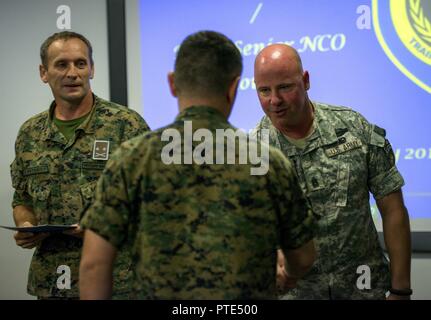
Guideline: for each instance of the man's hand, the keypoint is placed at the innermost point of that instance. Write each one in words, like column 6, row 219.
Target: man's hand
column 284, row 281
column 76, row 232
column 28, row 240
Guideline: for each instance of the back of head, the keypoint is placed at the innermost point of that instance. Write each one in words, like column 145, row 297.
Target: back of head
column 64, row 35
column 206, row 64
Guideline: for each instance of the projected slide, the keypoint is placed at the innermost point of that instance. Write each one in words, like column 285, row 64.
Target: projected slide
column 373, row 56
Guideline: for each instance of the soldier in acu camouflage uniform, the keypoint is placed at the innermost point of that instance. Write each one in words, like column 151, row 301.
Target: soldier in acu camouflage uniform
column 339, row 158
column 206, row 231
column 60, row 154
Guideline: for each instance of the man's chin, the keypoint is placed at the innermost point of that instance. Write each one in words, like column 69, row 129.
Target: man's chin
column 73, row 98
column 278, row 121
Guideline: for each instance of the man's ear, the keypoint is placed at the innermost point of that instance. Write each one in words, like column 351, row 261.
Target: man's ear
column 306, row 79
column 233, row 88
column 92, row 71
column 43, row 73
column 171, row 80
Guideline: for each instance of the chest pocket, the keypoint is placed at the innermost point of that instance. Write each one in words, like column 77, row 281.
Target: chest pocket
column 348, row 154
column 39, row 189
column 92, row 167
column 314, row 177
column 87, row 193
column 326, row 180
column 342, row 186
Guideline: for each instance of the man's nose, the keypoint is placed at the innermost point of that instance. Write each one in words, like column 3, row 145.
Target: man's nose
column 71, row 71
column 276, row 99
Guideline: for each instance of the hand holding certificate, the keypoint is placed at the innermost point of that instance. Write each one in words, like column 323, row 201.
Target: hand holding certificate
column 45, row 228
column 28, row 236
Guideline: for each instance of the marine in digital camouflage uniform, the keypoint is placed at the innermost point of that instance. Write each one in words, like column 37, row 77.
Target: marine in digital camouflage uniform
column 55, row 178
column 339, row 157
column 205, row 231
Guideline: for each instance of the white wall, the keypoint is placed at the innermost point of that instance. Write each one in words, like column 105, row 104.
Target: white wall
column 421, row 276
column 133, row 49
column 24, row 25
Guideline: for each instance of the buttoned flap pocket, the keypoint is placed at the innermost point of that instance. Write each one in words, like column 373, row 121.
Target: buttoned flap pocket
column 87, row 190
column 90, row 171
column 315, row 182
column 93, row 165
column 87, row 194
column 39, row 183
column 310, row 173
column 317, row 191
column 40, row 192
column 341, row 189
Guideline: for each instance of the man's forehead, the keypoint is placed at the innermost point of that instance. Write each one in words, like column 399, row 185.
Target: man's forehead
column 275, row 68
column 70, row 42
column 64, row 47
column 278, row 67
column 276, row 75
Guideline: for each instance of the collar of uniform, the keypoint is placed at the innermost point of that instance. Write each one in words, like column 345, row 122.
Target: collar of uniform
column 276, row 138
column 88, row 126
column 324, row 127
column 51, row 132
column 201, row 112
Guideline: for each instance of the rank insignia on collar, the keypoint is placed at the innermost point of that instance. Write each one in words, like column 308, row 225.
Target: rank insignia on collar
column 100, row 150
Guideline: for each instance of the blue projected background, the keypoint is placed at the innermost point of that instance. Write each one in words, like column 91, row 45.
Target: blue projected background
column 351, row 49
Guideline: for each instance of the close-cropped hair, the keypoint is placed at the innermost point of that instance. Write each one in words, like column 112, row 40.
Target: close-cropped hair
column 64, row 35
column 206, row 64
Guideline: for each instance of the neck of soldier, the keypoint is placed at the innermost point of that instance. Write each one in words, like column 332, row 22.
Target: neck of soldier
column 218, row 103
column 73, row 109
column 303, row 124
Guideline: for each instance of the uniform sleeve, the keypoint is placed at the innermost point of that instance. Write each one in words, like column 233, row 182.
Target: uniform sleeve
column 109, row 213
column 383, row 175
column 295, row 215
column 256, row 132
column 136, row 126
column 19, row 182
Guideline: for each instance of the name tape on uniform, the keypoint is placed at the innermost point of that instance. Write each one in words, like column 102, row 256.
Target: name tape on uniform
column 343, row 147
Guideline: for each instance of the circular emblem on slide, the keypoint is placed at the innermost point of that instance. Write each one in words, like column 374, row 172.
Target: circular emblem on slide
column 411, row 19
column 403, row 29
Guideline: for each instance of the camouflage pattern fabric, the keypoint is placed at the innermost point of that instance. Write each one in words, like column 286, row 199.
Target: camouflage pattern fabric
column 344, row 159
column 205, row 231
column 57, row 178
